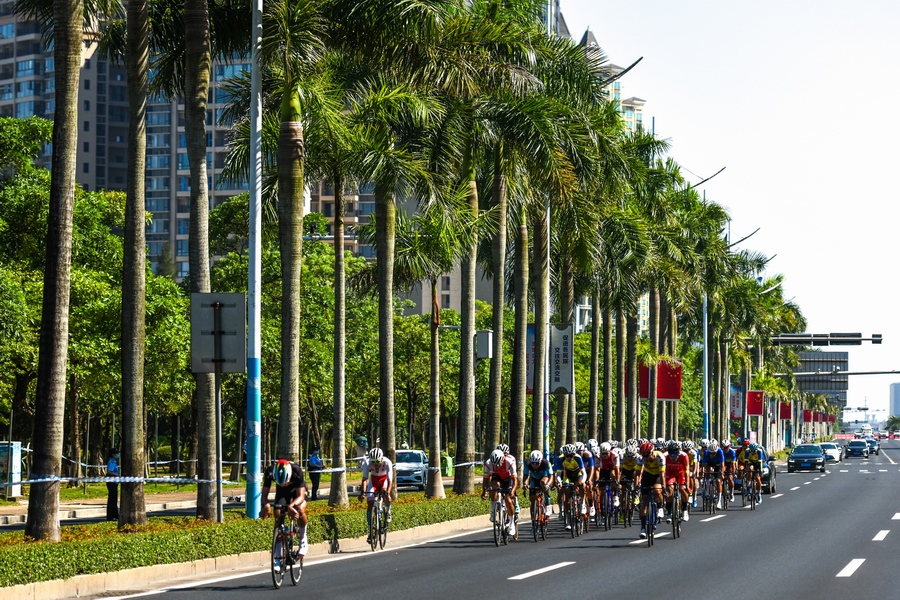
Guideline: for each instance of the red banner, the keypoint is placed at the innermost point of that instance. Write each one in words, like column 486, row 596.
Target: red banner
column 784, row 410
column 831, row 418
column 754, row 403
column 816, row 416
column 807, row 416
column 668, row 381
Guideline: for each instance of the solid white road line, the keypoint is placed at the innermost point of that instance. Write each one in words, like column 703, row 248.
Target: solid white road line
column 888, row 457
column 711, row 518
column 794, row 488
column 851, row 567
column 881, row 535
column 776, row 496
column 544, row 570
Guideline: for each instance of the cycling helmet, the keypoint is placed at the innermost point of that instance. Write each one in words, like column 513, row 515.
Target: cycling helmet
column 497, row 457
column 726, row 443
column 687, row 445
column 568, row 449
column 282, row 472
column 704, row 443
column 579, row 447
column 535, row 457
column 376, row 455
column 631, row 452
column 503, row 448
column 631, row 442
column 745, row 442
column 614, row 443
column 647, row 448
column 642, row 441
column 673, row 446
column 713, row 446
column 754, row 447
column 592, row 442
column 605, row 448
column 659, row 444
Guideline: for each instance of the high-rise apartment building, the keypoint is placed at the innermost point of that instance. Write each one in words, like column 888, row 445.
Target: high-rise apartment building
column 894, row 406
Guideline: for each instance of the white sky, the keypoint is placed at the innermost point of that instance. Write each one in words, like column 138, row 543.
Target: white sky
column 796, row 99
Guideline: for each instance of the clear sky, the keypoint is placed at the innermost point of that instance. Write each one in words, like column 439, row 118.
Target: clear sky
column 797, row 99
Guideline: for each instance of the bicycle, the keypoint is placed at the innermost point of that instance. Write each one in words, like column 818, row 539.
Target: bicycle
column 538, row 516
column 284, row 553
column 727, row 489
column 572, row 510
column 627, row 503
column 710, row 494
column 676, row 510
column 748, row 489
column 609, row 509
column 501, row 520
column 378, row 525
column 651, row 519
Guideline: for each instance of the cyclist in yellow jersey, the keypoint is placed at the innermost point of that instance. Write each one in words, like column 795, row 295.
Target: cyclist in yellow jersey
column 753, row 456
column 650, row 480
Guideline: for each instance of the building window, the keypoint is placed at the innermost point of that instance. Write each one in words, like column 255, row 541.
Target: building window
column 158, row 226
column 25, row 67
column 155, row 248
column 445, row 284
column 183, row 269
column 157, row 205
column 183, row 247
column 184, row 226
column 445, row 300
column 24, row 109
column 85, row 167
column 87, row 125
column 87, row 105
column 87, row 146
column 87, row 84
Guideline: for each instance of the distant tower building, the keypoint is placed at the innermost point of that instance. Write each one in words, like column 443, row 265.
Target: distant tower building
column 895, row 399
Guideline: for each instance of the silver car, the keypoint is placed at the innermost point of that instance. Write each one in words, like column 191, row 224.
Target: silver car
column 411, row 468
column 833, row 452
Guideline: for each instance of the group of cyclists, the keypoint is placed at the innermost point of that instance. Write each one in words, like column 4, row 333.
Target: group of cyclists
column 654, row 467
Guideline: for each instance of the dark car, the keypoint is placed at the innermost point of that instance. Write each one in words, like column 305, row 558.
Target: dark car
column 874, row 445
column 806, row 457
column 857, row 448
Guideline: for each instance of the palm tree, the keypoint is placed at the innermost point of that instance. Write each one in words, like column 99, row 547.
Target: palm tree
column 137, row 59
column 43, row 501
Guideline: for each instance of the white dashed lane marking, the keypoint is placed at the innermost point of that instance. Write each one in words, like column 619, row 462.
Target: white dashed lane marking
column 776, row 496
column 794, row 488
column 711, row 518
column 540, row 571
column 851, row 567
column 881, row 535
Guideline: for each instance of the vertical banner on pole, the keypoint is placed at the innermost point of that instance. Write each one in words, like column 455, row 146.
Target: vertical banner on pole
column 562, row 364
column 735, row 401
column 754, row 403
column 529, row 359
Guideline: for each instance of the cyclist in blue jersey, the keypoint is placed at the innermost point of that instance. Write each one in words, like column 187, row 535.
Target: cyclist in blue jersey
column 714, row 464
column 537, row 475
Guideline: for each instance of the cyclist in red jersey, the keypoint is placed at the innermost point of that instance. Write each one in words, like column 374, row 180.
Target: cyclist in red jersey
column 677, row 469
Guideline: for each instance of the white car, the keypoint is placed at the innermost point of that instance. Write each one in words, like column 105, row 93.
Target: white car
column 833, row 452
column 411, row 468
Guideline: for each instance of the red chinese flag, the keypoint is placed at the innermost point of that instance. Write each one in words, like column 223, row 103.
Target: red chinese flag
column 754, row 403
column 784, row 409
column 807, row 416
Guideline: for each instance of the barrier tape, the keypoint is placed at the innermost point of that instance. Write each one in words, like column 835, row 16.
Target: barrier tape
column 178, row 480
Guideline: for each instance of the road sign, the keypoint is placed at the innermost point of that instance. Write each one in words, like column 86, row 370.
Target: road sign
column 231, row 312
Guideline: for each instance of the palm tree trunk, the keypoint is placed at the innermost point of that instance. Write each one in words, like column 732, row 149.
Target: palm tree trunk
column 464, row 477
column 50, row 396
column 621, row 362
column 132, row 510
column 653, row 400
column 435, row 487
column 338, row 493
column 634, row 395
column 541, row 288
column 498, row 247
column 606, row 315
column 197, row 70
column 290, row 234
column 385, row 221
column 520, row 366
column 593, row 400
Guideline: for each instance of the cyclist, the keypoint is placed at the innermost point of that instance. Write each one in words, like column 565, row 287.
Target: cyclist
column 500, row 476
column 290, row 489
column 694, row 470
column 377, row 469
column 753, row 458
column 631, row 468
column 649, row 478
column 536, row 475
column 570, row 473
column 609, row 470
column 555, row 480
column 590, row 473
column 730, row 459
column 505, row 449
column 714, row 463
column 677, row 469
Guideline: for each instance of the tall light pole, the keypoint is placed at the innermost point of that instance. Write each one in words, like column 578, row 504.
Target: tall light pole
column 254, row 304
column 705, row 366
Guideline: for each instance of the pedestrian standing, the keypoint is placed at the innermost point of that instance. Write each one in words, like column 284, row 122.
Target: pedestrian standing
column 314, row 468
column 112, row 488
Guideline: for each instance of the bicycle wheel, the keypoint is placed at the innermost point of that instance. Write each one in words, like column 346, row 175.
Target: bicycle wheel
column 293, row 551
column 598, row 507
column 726, row 492
column 628, row 515
column 498, row 525
column 676, row 511
column 537, row 513
column 607, row 509
column 278, row 557
column 504, row 532
column 570, row 514
column 543, row 524
column 651, row 520
column 753, row 496
column 382, row 526
column 373, row 526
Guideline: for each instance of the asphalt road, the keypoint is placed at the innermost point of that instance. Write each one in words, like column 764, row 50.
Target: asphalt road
column 820, row 535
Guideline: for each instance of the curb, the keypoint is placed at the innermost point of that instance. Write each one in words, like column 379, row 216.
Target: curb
column 143, row 579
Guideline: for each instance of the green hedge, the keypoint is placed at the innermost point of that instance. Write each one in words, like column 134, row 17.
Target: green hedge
column 105, row 549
